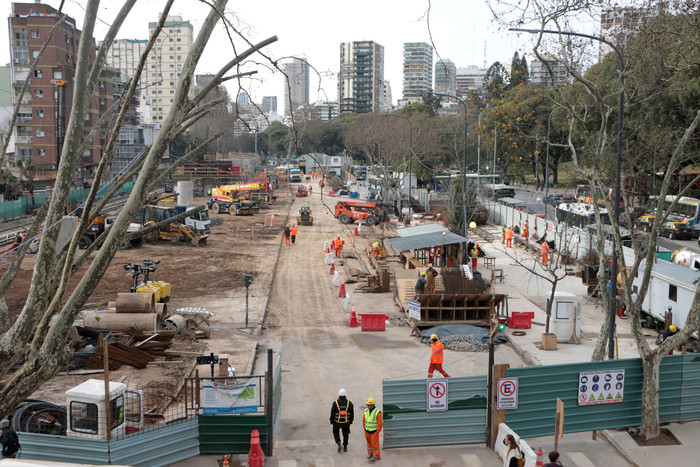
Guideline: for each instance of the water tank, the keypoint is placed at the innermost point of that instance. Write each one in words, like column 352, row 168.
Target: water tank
column 184, row 193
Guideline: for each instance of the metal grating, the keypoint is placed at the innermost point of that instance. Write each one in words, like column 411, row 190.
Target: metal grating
column 407, row 423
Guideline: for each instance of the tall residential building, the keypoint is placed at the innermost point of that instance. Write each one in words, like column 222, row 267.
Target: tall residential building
column 469, row 78
column 387, row 101
column 325, row 110
column 165, row 63
column 269, row 104
column 617, row 24
column 361, row 77
column 296, row 84
column 446, row 77
column 45, row 108
column 124, row 55
column 243, row 98
column 540, row 74
column 417, row 70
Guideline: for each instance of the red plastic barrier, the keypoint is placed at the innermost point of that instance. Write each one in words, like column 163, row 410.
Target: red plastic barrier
column 521, row 319
column 373, row 322
column 256, row 457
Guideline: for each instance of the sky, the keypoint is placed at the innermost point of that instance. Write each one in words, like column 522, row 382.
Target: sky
column 462, row 31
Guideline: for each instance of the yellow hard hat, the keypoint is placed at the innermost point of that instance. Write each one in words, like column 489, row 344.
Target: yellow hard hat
column 672, row 328
column 430, row 265
column 434, row 336
column 338, row 235
column 371, row 401
column 422, row 273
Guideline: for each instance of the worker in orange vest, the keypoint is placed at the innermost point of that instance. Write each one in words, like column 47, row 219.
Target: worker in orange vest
column 372, row 422
column 526, row 230
column 545, row 252
column 436, row 357
column 293, row 231
column 19, row 239
column 337, row 245
column 287, row 232
column 509, row 237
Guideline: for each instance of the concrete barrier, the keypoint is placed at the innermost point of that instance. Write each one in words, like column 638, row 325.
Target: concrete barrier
column 500, row 448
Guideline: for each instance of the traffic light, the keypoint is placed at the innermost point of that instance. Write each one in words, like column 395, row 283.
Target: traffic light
column 502, row 323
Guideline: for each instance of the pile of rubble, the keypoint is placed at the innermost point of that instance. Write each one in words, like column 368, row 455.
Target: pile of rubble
column 464, row 343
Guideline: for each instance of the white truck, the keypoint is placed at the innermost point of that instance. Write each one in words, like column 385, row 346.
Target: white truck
column 294, row 175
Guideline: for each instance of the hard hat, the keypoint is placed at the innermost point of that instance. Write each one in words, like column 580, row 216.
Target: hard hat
column 338, row 235
column 477, row 244
column 422, row 273
column 4, row 423
column 371, row 401
column 430, row 265
column 434, row 337
column 287, row 225
column 342, row 392
column 672, row 328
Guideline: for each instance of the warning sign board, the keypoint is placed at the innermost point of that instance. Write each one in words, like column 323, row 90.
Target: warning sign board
column 601, row 387
column 414, row 309
column 507, row 393
column 437, row 395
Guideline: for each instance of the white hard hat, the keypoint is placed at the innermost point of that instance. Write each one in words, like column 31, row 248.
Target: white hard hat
column 342, row 392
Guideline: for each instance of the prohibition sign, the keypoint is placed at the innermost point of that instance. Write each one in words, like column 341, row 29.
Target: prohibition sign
column 437, row 390
column 507, row 388
column 507, row 393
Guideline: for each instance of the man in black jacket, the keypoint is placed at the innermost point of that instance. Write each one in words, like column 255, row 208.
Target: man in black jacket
column 342, row 416
column 8, row 439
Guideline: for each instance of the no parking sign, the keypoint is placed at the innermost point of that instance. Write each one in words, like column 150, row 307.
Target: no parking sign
column 507, row 393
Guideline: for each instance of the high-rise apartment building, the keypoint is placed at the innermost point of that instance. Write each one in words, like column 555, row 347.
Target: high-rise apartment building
column 469, row 78
column 387, row 101
column 417, row 70
column 124, row 55
column 539, row 73
column 269, row 104
column 164, row 65
column 45, row 108
column 619, row 23
column 296, row 84
column 446, row 77
column 361, row 77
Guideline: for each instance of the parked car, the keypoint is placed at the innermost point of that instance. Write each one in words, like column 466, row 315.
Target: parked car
column 676, row 230
column 645, row 222
column 553, row 199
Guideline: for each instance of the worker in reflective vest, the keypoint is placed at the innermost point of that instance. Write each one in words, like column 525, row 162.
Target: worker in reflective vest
column 503, row 234
column 372, row 422
column 19, row 239
column 338, row 246
column 342, row 416
column 293, row 231
column 545, row 252
column 436, row 357
column 526, row 229
column 475, row 255
column 375, row 249
column 509, row 237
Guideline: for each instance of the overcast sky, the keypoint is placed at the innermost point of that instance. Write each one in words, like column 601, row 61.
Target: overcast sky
column 462, row 31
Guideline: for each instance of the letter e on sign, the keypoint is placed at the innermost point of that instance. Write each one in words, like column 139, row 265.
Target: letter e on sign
column 507, row 393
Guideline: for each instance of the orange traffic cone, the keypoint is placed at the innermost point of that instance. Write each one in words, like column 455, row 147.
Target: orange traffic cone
column 225, row 463
column 332, row 267
column 540, row 456
column 341, row 294
column 353, row 318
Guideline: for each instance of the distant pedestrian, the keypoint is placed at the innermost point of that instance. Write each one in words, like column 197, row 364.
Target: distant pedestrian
column 475, row 255
column 554, row 460
column 437, row 350
column 545, row 253
column 311, row 189
column 509, row 237
column 337, row 245
column 526, row 230
column 287, row 235
column 503, row 234
column 320, row 184
column 293, row 231
column 342, row 416
column 8, row 440
column 419, row 288
column 512, row 452
column 430, row 275
column 373, row 423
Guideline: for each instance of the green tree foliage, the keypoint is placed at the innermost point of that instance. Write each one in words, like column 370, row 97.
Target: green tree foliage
column 519, row 73
column 495, row 81
column 432, row 100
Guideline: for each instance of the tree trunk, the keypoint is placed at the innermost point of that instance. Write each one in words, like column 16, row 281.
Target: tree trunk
column 650, row 396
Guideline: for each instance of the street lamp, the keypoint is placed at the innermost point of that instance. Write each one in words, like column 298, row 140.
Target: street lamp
column 410, row 157
column 478, row 151
column 464, row 171
column 616, row 203
column 546, row 164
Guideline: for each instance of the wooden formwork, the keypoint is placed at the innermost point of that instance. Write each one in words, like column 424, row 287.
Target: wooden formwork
column 460, row 308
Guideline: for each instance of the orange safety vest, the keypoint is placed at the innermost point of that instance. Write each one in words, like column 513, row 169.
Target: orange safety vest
column 545, row 247
column 509, row 233
column 293, row 231
column 436, row 356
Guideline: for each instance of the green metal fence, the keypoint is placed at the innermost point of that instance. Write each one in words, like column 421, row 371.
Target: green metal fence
column 16, row 208
column 230, row 434
column 407, row 422
column 539, row 387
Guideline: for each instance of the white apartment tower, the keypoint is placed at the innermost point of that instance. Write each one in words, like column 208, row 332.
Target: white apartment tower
column 540, row 74
column 619, row 23
column 361, row 77
column 296, row 84
column 417, row 70
column 446, row 77
column 469, row 78
column 124, row 55
column 164, row 65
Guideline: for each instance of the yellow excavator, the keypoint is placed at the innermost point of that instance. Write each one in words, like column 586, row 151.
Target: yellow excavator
column 176, row 233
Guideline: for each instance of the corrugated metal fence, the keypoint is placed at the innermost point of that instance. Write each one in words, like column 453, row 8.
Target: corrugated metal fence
column 539, row 387
column 407, row 423
column 156, row 447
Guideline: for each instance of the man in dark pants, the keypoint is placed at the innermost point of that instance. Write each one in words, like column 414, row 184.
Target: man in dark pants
column 342, row 416
column 8, row 439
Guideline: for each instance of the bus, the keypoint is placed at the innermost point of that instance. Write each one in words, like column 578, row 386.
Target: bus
column 687, row 209
column 442, row 182
column 579, row 215
column 496, row 191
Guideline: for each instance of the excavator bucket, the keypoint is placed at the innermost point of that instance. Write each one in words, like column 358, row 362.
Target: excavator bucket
column 198, row 240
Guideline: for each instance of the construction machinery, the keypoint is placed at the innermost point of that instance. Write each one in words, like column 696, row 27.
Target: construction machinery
column 159, row 289
column 305, row 217
column 176, row 233
column 367, row 212
column 226, row 199
column 198, row 221
column 100, row 224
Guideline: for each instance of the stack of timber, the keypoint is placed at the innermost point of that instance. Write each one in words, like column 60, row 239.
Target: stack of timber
column 475, row 309
column 135, row 349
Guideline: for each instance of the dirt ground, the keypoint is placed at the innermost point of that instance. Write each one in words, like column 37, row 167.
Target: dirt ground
column 210, row 276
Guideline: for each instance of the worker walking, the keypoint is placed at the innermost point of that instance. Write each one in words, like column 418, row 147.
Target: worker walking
column 293, row 231
column 503, row 234
column 375, row 249
column 373, row 423
column 430, row 275
column 475, row 255
column 509, row 237
column 342, row 416
column 526, row 229
column 287, row 235
column 545, row 252
column 419, row 288
column 337, row 245
column 436, row 357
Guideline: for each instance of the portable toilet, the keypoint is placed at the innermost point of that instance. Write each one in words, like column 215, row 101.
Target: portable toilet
column 87, row 412
column 565, row 320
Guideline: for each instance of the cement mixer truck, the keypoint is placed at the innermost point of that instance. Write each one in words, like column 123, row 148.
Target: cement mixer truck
column 687, row 258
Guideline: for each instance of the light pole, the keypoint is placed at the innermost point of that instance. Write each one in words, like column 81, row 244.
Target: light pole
column 478, row 150
column 546, row 164
column 495, row 140
column 616, row 203
column 464, row 171
column 410, row 157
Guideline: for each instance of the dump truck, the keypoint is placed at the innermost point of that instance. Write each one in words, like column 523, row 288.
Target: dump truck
column 99, row 225
column 198, row 221
column 351, row 211
column 305, row 217
column 226, row 199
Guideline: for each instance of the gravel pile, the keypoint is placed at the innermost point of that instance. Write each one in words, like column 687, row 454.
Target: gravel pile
column 464, row 343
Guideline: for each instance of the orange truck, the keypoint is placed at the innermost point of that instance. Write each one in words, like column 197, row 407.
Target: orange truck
column 351, row 211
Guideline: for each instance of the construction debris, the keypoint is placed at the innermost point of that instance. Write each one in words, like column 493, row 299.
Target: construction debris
column 464, row 343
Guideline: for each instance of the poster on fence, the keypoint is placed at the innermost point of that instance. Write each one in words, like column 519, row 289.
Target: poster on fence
column 222, row 396
column 601, row 387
